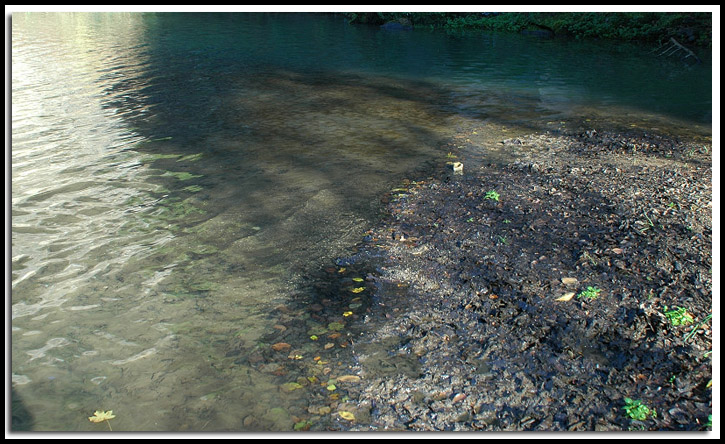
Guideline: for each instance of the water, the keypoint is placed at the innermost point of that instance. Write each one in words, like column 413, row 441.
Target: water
column 177, row 179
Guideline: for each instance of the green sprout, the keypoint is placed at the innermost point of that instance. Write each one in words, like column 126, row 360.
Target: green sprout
column 589, row 293
column 678, row 316
column 638, row 411
column 492, row 195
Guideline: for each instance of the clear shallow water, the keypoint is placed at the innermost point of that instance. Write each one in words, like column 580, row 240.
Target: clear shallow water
column 176, row 176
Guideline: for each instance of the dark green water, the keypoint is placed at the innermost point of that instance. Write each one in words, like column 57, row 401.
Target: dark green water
column 175, row 177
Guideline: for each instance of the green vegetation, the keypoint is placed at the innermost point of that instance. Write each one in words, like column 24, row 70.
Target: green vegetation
column 678, row 316
column 638, row 411
column 492, row 195
column 589, row 293
column 689, row 28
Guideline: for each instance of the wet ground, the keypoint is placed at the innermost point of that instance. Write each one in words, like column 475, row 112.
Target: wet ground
column 568, row 287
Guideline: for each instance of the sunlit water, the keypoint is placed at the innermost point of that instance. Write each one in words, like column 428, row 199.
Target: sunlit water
column 176, row 177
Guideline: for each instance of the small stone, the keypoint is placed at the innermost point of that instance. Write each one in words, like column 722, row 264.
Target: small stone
column 569, row 281
column 348, row 378
column 566, row 297
column 280, row 346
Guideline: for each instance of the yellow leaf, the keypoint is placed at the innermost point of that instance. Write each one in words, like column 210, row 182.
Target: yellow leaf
column 358, row 279
column 358, row 289
column 347, row 313
column 347, row 415
column 341, row 270
column 99, row 416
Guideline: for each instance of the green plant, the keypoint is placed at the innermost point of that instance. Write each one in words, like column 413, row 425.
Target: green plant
column 678, row 316
column 589, row 293
column 638, row 411
column 492, row 195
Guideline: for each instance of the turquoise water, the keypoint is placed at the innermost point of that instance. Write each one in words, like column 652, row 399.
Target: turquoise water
column 177, row 177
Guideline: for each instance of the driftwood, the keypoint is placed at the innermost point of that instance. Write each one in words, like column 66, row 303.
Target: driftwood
column 674, row 48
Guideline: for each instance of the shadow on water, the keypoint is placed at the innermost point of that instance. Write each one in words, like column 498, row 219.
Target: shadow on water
column 286, row 175
column 21, row 417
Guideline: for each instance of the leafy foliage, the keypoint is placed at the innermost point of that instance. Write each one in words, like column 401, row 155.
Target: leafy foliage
column 638, row 411
column 693, row 28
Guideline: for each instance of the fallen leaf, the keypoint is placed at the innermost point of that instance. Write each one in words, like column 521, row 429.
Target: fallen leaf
column 566, row 297
column 569, row 281
column 302, row 426
column 100, row 416
column 329, row 345
column 347, row 415
column 358, row 279
column 335, row 326
column 290, row 386
column 347, row 313
column 358, row 289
